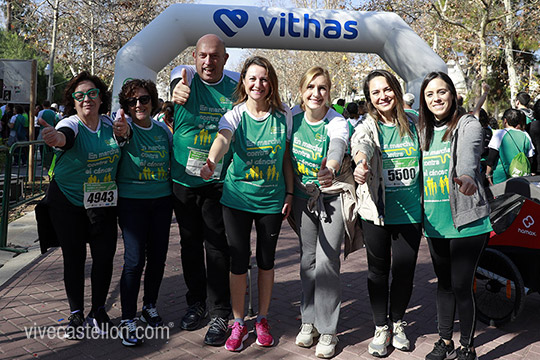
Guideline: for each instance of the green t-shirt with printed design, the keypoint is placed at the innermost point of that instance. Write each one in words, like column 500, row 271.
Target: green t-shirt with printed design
column 143, row 172
column 309, row 145
column 437, row 214
column 401, row 160
column 93, row 158
column 195, row 128
column 255, row 181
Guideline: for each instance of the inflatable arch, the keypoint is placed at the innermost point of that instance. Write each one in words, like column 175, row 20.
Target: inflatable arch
column 181, row 25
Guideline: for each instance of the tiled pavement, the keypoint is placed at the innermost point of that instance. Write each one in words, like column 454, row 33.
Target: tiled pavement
column 36, row 297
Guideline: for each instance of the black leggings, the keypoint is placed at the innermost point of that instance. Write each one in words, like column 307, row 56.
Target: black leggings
column 395, row 246
column 455, row 262
column 238, row 225
column 75, row 227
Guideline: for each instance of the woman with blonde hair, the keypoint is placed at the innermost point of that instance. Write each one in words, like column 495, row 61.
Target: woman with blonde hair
column 258, row 187
column 320, row 140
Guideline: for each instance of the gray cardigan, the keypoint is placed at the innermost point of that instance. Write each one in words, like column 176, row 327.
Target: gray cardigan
column 465, row 150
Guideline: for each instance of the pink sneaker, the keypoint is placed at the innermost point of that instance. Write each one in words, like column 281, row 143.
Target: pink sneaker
column 264, row 338
column 235, row 342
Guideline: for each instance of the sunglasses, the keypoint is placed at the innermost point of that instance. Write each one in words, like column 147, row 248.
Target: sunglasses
column 145, row 99
column 79, row 95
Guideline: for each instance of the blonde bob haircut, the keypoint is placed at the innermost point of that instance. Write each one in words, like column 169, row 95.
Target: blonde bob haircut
column 272, row 99
column 399, row 117
column 308, row 77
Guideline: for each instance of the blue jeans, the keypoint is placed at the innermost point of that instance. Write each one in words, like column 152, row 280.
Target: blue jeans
column 145, row 225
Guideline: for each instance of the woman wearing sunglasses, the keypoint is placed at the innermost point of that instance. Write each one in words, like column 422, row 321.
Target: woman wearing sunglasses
column 82, row 195
column 144, row 204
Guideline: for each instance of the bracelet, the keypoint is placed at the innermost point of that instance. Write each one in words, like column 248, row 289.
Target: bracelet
column 489, row 176
column 289, row 193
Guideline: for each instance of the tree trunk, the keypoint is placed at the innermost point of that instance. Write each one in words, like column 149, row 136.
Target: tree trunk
column 508, row 51
column 8, row 15
column 50, row 86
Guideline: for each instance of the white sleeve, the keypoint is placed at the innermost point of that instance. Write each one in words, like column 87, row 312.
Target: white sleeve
column 532, row 150
column 338, row 127
column 190, row 72
column 232, row 118
column 496, row 140
column 71, row 122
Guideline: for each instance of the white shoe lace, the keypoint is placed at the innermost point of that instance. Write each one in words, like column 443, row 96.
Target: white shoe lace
column 381, row 333
column 152, row 312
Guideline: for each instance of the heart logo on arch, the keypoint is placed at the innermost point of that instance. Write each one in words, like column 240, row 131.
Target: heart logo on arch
column 238, row 17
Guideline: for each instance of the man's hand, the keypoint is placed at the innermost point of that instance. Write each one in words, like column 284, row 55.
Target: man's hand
column 181, row 90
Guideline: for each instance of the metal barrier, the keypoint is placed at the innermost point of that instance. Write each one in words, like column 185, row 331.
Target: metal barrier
column 23, row 180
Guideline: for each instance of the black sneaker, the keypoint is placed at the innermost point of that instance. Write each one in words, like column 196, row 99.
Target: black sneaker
column 99, row 321
column 218, row 332
column 150, row 316
column 466, row 354
column 441, row 351
column 75, row 328
column 194, row 316
column 127, row 331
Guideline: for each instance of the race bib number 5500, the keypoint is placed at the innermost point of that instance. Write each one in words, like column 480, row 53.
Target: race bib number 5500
column 400, row 172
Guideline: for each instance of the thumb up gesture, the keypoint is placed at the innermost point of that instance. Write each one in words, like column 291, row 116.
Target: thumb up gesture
column 50, row 135
column 121, row 127
column 361, row 172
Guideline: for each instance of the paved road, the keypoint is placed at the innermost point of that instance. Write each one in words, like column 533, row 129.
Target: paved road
column 36, row 297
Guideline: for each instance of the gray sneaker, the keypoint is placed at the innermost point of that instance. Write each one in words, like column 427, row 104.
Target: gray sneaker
column 381, row 340
column 399, row 338
column 326, row 347
column 305, row 337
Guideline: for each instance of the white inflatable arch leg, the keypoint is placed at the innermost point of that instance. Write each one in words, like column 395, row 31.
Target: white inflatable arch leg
column 181, row 25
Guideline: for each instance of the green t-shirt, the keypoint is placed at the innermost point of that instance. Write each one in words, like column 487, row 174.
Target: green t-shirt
column 401, row 167
column 255, row 180
column 93, row 158
column 143, row 172
column 49, row 116
column 438, row 221
column 195, row 128
column 508, row 142
column 310, row 142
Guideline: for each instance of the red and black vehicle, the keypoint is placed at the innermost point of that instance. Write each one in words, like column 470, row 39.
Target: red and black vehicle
column 509, row 269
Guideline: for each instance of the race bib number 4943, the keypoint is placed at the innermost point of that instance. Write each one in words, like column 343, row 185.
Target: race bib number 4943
column 400, row 172
column 100, row 194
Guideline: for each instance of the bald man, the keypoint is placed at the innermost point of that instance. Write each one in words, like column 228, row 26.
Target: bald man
column 202, row 94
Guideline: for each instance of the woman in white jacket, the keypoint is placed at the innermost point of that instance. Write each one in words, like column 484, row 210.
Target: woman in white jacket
column 386, row 151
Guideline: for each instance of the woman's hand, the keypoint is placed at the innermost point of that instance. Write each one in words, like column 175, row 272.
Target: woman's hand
column 325, row 175
column 208, row 169
column 287, row 206
column 50, row 135
column 466, row 184
column 120, row 126
column 361, row 172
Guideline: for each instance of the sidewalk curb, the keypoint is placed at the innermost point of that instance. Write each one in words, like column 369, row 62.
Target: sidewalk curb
column 18, row 263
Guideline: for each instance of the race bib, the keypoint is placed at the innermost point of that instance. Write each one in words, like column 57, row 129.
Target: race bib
column 400, row 172
column 196, row 161
column 100, row 194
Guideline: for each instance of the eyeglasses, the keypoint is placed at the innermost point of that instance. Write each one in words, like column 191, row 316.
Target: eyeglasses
column 79, row 95
column 145, row 99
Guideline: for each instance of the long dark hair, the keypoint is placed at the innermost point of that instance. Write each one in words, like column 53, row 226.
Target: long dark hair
column 426, row 119
column 402, row 121
column 104, row 94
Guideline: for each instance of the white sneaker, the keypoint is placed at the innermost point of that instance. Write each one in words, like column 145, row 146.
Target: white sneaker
column 306, row 335
column 381, row 340
column 399, row 338
column 326, row 347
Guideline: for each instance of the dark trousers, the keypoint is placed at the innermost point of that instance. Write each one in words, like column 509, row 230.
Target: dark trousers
column 392, row 247
column 455, row 262
column 145, row 225
column 75, row 227
column 200, row 219
column 239, row 224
